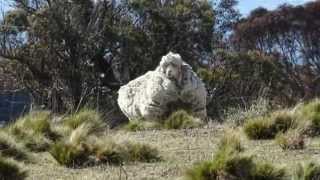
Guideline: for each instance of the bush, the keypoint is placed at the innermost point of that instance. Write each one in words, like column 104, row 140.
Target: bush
column 107, row 151
column 265, row 171
column 34, row 130
column 87, row 116
column 177, row 120
column 181, row 120
column 228, row 163
column 310, row 113
column 267, row 127
column 291, row 140
column 230, row 140
column 140, row 152
column 141, row 125
column 259, row 128
column 69, row 155
column 10, row 170
column 237, row 116
column 10, row 148
column 310, row 171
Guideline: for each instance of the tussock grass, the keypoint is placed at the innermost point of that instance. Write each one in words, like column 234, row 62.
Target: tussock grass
column 83, row 148
column 141, row 125
column 309, row 115
column 229, row 163
column 34, row 130
column 69, row 155
column 88, row 116
column 181, row 120
column 267, row 127
column 309, row 171
column 293, row 139
column 10, row 170
column 177, row 120
column 231, row 140
column 10, row 148
column 137, row 152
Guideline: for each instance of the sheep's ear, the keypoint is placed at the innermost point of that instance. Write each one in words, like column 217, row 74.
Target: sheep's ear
column 162, row 64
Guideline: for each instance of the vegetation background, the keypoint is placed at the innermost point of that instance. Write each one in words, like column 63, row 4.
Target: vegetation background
column 77, row 53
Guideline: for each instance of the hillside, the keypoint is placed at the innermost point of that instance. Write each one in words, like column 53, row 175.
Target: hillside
column 180, row 150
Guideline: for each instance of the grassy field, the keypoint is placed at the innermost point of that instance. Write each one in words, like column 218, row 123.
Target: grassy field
column 180, row 149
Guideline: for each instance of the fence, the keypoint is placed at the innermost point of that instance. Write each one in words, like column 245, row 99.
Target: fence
column 13, row 104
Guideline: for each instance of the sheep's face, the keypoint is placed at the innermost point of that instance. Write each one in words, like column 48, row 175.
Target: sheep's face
column 171, row 65
column 173, row 71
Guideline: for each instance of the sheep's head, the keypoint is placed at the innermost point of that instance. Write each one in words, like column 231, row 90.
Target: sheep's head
column 171, row 66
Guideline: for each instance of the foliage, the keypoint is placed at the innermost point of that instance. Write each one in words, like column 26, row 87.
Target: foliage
column 10, row 170
column 291, row 33
column 237, row 115
column 310, row 113
column 85, row 116
column 141, row 125
column 69, row 155
column 267, row 127
column 181, row 120
column 79, row 51
column 228, row 163
column 33, row 130
column 308, row 171
column 177, row 120
column 291, row 140
column 239, row 79
column 140, row 152
column 10, row 148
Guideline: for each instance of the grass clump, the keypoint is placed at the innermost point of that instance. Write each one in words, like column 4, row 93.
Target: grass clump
column 10, row 148
column 291, row 140
column 10, row 170
column 136, row 152
column 88, row 116
column 267, row 127
column 177, row 120
column 82, row 148
column 141, row 125
column 229, row 163
column 34, row 130
column 310, row 113
column 181, row 120
column 68, row 154
column 309, row 171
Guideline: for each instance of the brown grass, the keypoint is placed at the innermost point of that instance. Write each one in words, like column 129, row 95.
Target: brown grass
column 180, row 150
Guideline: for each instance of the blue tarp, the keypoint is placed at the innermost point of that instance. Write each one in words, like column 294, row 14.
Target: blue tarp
column 13, row 104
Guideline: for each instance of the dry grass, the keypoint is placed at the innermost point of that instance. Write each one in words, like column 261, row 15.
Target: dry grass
column 180, row 150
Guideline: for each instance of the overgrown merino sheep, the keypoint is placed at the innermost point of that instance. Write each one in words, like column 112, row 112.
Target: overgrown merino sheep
column 172, row 85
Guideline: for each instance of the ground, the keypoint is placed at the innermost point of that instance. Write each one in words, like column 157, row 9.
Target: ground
column 180, row 149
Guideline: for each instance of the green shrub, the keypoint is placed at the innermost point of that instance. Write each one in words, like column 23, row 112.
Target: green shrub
column 229, row 163
column 267, row 127
column 140, row 152
column 10, row 148
column 34, row 130
column 87, row 116
column 265, row 171
column 181, row 120
column 310, row 113
column 107, row 151
column 259, row 128
column 230, row 140
column 177, row 120
column 37, row 143
column 69, row 155
column 291, row 140
column 10, row 170
column 309, row 171
column 141, row 125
